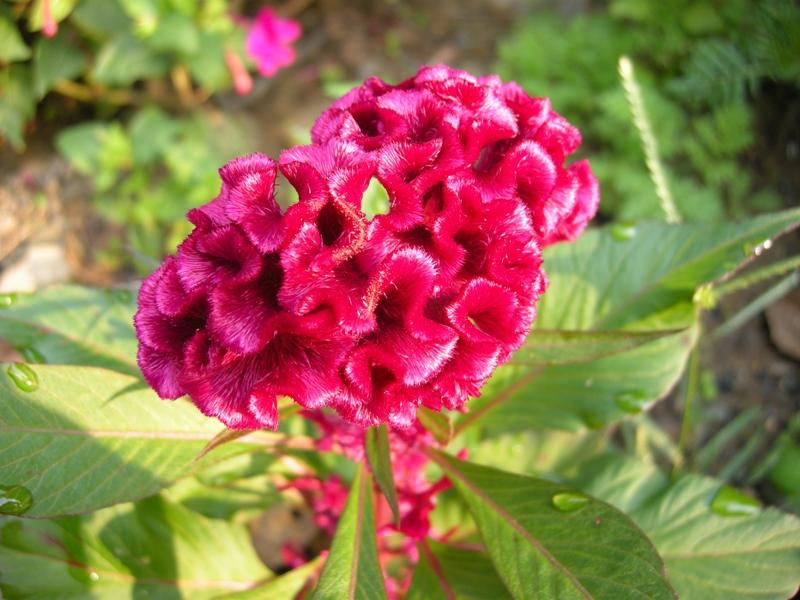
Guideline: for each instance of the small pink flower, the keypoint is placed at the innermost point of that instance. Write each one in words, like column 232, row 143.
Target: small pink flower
column 269, row 41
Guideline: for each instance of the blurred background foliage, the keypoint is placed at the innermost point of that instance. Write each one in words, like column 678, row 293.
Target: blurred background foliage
column 701, row 66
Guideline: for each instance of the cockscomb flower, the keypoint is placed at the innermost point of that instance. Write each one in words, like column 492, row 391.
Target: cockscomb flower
column 373, row 318
column 269, row 41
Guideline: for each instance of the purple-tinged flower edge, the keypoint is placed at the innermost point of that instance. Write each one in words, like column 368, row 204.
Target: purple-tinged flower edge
column 373, row 318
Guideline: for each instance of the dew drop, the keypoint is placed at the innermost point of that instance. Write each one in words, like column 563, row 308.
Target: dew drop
column 7, row 300
column 23, row 377
column 94, row 575
column 631, row 401
column 15, row 499
column 623, row 231
column 730, row 502
column 569, row 501
column 32, row 355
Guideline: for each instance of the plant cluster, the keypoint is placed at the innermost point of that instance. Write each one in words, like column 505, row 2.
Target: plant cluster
column 700, row 64
column 552, row 482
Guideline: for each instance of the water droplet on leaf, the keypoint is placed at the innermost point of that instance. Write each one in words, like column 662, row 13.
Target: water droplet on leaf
column 7, row 300
column 631, row 401
column 569, row 501
column 94, row 575
column 730, row 502
column 23, row 377
column 623, row 231
column 15, row 500
column 32, row 355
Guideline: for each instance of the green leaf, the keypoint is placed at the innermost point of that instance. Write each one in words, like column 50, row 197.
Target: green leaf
column 84, row 438
column 82, row 144
column 589, row 551
column 707, row 555
column 207, row 66
column 149, row 549
column 55, row 60
column 152, row 132
column 601, row 289
column 125, row 59
column 425, row 583
column 59, row 9
column 574, row 396
column 376, row 446
column 470, row 575
column 352, row 569
column 647, row 282
column 288, row 585
column 101, row 18
column 438, row 424
column 548, row 347
column 175, row 33
column 72, row 325
column 12, row 47
column 17, row 103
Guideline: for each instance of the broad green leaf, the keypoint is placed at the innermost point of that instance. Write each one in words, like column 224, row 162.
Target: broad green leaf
column 175, row 33
column 101, row 18
column 55, row 60
column 152, row 132
column 425, row 584
column 150, row 549
column 83, row 438
column 559, row 347
column 207, row 66
column 376, row 447
column 284, row 587
column 59, row 9
column 352, row 569
column 585, row 549
column 602, row 288
column 74, row 325
column 12, row 47
column 646, row 282
column 82, row 144
column 17, row 103
column 125, row 59
column 708, row 556
column 590, row 394
column 469, row 574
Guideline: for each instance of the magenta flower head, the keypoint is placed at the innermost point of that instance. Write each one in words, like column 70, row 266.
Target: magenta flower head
column 373, row 318
column 269, row 42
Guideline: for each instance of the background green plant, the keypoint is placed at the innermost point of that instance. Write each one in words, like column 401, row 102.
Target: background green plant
column 699, row 65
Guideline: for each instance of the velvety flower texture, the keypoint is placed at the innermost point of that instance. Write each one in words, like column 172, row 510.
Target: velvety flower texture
column 371, row 317
column 269, row 42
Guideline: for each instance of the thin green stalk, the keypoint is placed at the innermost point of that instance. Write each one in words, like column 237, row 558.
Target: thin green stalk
column 778, row 291
column 748, row 279
column 654, row 166
column 690, row 389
